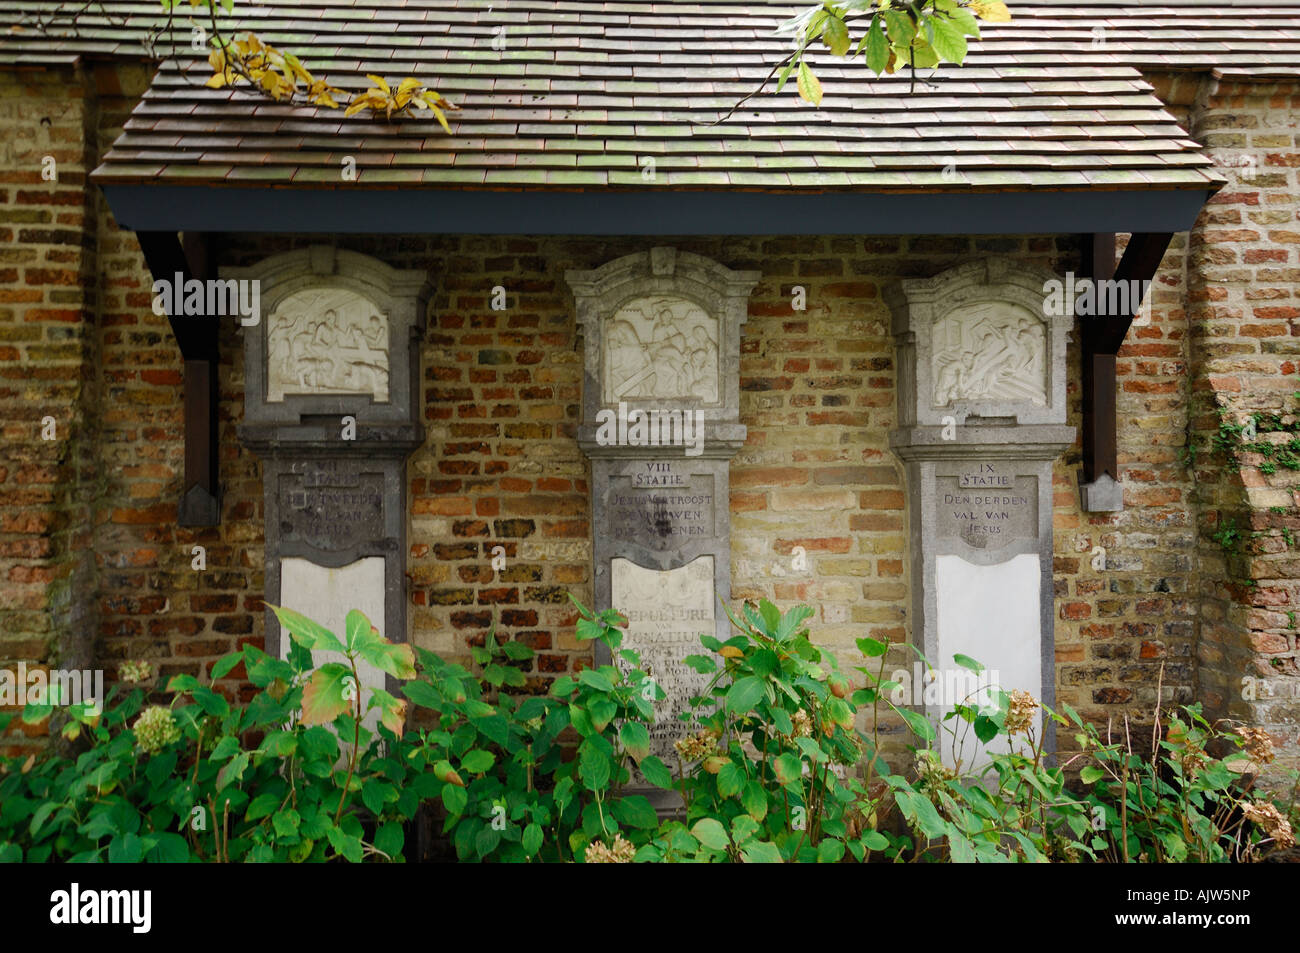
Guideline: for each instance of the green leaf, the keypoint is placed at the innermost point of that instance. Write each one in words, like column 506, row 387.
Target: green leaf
column 656, row 772
column 877, row 47
column 700, row 663
column 263, row 806
column 454, row 799
column 919, row 724
column 223, row 666
column 310, row 635
column 233, row 769
column 761, row 852
column 169, row 848
column 125, row 849
column 595, row 680
column 329, row 694
column 949, row 40
column 390, row 838
column 730, row 779
column 602, row 711
column 745, row 694
column 1091, row 774
column 965, row 661
column 635, row 811
column 836, row 36
column 754, row 800
column 477, row 761
column 871, row 648
column 874, row 840
column 830, row 850
column 593, row 767
column 788, row 768
column 532, row 839
column 711, row 834
column 395, row 658
column 635, row 738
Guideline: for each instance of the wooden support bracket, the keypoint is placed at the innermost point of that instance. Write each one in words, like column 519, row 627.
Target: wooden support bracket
column 196, row 335
column 1101, row 335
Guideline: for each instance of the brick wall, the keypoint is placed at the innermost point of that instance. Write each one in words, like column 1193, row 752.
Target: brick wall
column 89, row 545
column 1243, row 284
column 47, row 355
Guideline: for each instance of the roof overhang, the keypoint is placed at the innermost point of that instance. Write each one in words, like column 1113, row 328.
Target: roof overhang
column 649, row 212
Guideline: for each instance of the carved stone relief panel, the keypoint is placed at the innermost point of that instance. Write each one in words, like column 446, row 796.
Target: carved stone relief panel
column 990, row 351
column 661, row 347
column 327, row 341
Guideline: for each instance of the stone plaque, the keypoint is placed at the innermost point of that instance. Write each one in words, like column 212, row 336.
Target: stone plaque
column 660, row 504
column 327, row 341
column 662, row 347
column 667, row 612
column 326, row 595
column 990, row 351
column 329, row 504
column 986, row 506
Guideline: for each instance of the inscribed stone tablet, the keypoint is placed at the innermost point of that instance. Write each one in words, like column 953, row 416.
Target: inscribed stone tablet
column 667, row 611
column 987, row 506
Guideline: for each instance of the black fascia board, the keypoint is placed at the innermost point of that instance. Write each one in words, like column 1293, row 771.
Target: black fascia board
column 649, row 212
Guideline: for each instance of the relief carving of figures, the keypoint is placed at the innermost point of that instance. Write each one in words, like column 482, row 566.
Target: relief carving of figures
column 989, row 352
column 327, row 341
column 661, row 348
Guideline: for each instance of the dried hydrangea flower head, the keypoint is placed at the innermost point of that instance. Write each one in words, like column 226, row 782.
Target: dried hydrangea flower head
column 1257, row 743
column 1270, row 820
column 620, row 852
column 1020, row 712
column 696, row 746
column 136, row 670
column 155, row 729
column 803, row 724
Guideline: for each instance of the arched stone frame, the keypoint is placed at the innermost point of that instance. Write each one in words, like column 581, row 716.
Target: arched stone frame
column 720, row 292
column 919, row 305
column 399, row 295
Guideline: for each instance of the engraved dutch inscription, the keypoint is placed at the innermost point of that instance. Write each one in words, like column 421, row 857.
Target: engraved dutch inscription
column 667, row 611
column 986, row 506
column 660, row 505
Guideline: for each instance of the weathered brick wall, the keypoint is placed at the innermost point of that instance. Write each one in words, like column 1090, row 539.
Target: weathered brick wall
column 152, row 601
column 1243, row 283
column 47, row 356
column 1125, row 582
column 501, row 466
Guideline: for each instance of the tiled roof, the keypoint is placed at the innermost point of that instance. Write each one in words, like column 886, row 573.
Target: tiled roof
column 584, row 92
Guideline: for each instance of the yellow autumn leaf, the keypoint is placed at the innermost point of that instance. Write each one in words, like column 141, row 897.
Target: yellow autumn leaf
column 217, row 81
column 379, row 83
column 810, row 87
column 217, row 60
column 994, row 11
column 355, row 107
column 442, row 120
column 409, row 85
column 253, row 43
column 730, row 651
